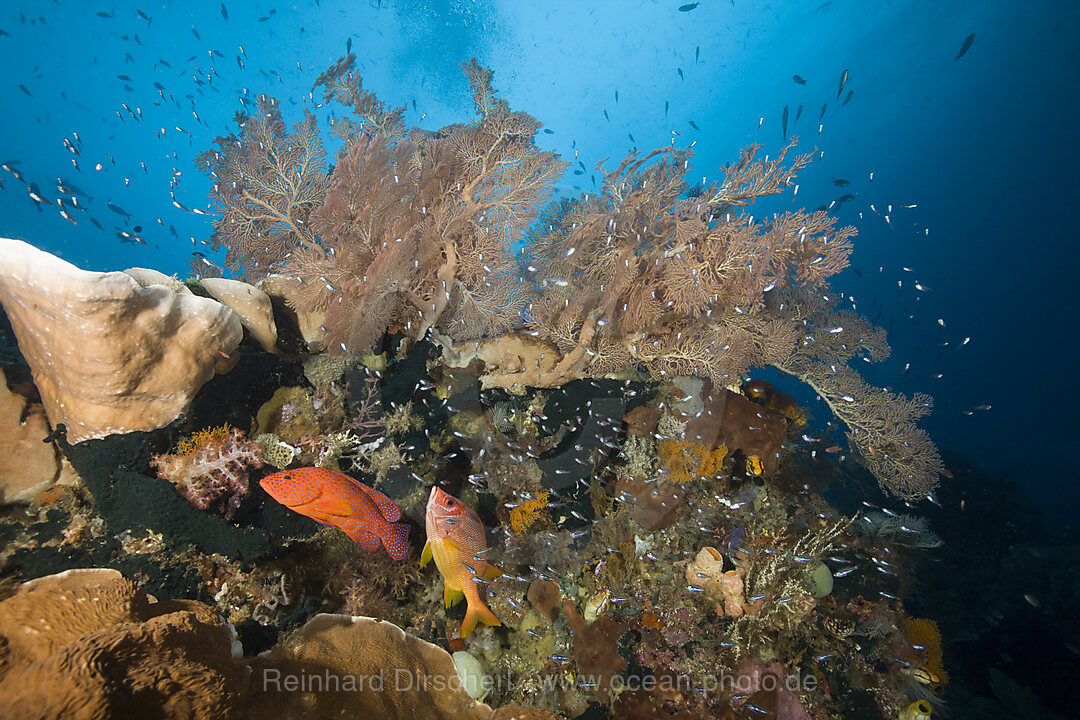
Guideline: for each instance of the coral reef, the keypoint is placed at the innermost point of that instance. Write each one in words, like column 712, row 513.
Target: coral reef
column 89, row 644
column 658, row 519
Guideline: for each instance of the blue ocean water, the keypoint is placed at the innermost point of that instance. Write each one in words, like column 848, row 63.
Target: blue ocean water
column 962, row 168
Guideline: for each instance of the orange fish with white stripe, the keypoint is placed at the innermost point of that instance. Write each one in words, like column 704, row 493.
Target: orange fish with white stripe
column 455, row 538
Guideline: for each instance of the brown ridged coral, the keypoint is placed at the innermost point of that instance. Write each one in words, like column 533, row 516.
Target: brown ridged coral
column 520, row 712
column 88, row 644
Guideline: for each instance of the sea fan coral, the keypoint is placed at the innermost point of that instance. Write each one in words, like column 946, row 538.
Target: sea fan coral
column 267, row 181
column 211, row 467
column 416, row 231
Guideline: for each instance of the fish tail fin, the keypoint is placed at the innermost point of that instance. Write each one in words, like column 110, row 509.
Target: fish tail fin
column 396, row 540
column 477, row 612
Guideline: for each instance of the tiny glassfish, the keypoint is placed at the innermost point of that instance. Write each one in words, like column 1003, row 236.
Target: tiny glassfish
column 36, row 197
column 968, row 42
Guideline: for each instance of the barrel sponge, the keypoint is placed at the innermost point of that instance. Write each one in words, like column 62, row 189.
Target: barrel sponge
column 108, row 355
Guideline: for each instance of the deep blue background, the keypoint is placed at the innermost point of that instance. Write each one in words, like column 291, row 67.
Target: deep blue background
column 981, row 144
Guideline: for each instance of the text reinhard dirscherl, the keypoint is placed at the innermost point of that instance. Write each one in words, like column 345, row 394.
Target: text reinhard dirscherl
column 405, row 680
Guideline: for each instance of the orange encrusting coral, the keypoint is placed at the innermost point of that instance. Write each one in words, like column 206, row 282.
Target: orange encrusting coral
column 926, row 638
column 528, row 512
column 202, row 438
column 686, row 461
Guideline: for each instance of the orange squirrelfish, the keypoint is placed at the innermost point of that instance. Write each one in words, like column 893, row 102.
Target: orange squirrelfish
column 455, row 538
column 333, row 498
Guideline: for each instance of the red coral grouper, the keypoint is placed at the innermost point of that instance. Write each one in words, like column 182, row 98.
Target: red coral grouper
column 333, row 498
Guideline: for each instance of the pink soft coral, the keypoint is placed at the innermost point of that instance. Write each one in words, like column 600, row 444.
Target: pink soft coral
column 213, row 471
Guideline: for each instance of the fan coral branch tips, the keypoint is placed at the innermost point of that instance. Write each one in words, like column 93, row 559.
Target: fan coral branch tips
column 642, row 274
column 267, row 182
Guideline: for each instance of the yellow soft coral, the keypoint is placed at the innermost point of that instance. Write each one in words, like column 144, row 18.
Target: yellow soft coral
column 925, row 636
column 206, row 436
column 528, row 512
column 686, row 461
